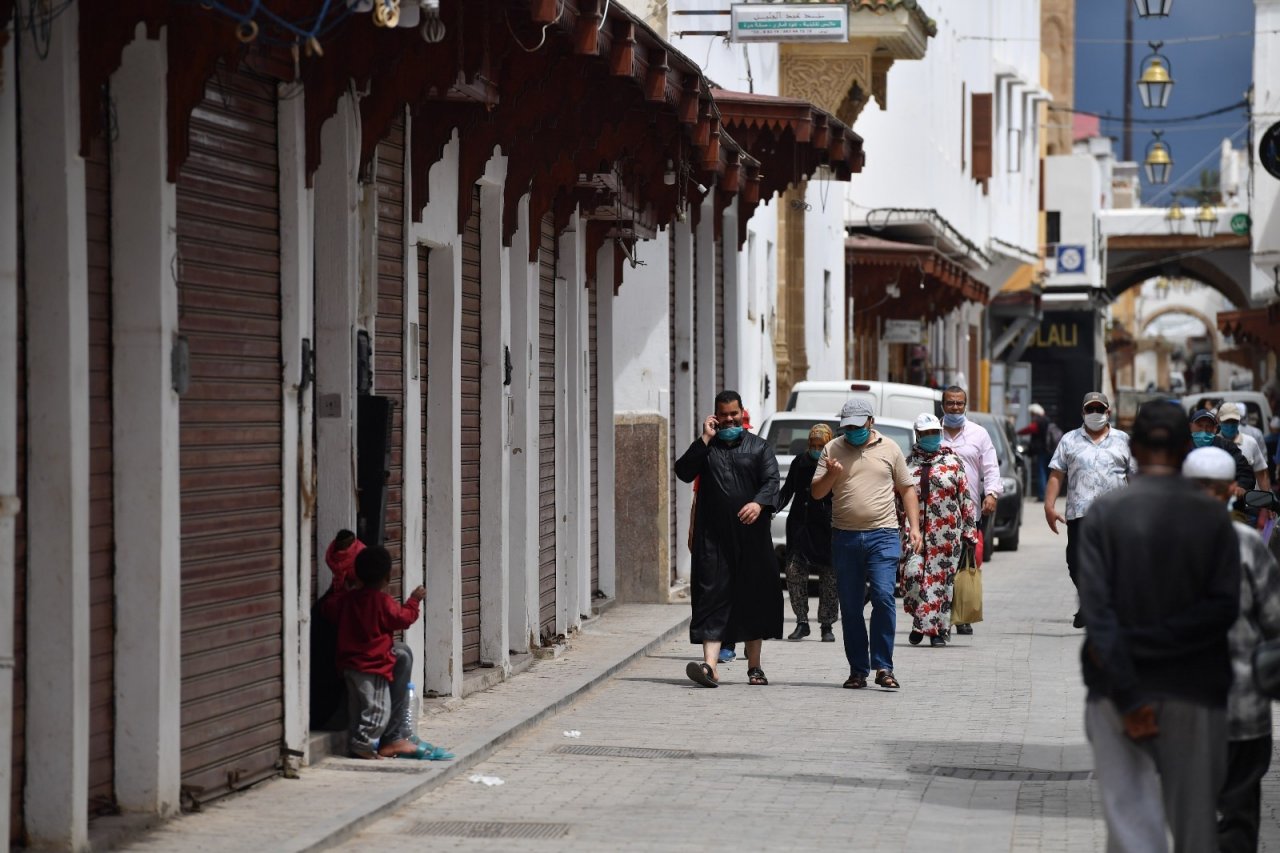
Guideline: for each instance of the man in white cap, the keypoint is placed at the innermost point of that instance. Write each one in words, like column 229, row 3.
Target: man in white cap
column 1249, row 425
column 1160, row 590
column 1248, row 711
column 862, row 470
column 1230, row 417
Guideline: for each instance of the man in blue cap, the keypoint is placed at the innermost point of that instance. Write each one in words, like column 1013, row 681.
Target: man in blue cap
column 1206, row 432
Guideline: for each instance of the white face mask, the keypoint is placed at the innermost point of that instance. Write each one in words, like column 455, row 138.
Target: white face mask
column 1095, row 422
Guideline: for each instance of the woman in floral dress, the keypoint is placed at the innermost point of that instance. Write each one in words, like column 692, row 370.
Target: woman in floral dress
column 950, row 521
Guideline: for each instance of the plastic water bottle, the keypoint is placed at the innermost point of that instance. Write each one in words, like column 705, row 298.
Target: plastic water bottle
column 411, row 712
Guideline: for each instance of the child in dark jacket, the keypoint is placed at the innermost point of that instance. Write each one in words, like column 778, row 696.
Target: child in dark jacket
column 375, row 667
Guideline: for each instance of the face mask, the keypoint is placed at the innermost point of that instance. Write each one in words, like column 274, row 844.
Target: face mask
column 1230, row 430
column 1202, row 439
column 930, row 443
column 951, row 421
column 857, row 437
column 814, row 454
column 729, row 433
column 1095, row 422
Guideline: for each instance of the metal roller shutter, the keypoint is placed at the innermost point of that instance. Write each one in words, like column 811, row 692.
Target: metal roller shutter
column 719, row 315
column 101, row 519
column 424, row 254
column 547, row 428
column 230, row 437
column 593, row 344
column 671, row 420
column 471, row 349
column 388, row 349
column 18, row 753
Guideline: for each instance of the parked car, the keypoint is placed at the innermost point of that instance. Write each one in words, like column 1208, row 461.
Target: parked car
column 788, row 432
column 1002, row 530
column 889, row 399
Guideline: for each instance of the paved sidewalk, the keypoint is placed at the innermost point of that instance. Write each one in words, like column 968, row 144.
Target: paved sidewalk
column 339, row 796
column 982, row 750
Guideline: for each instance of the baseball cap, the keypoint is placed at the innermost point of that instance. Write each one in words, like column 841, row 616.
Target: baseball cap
column 855, row 412
column 1204, row 413
column 1275, row 422
column 1161, row 426
column 1209, row 463
column 926, row 422
column 1095, row 397
column 1229, row 412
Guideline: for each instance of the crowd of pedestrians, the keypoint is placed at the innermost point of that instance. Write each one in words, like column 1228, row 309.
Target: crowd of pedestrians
column 1175, row 594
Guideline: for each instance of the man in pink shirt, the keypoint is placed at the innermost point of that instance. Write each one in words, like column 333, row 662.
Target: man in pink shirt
column 973, row 445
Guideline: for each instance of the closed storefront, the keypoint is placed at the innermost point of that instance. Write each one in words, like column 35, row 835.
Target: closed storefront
column 547, row 429
column 230, row 439
column 101, row 538
column 389, row 331
column 671, row 392
column 423, row 257
column 471, row 349
column 594, row 356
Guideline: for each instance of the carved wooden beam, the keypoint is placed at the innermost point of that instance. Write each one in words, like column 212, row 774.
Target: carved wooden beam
column 622, row 57
column 586, row 32
column 543, row 11
column 655, row 84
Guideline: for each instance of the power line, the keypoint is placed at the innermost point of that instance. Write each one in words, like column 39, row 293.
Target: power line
column 1167, row 42
column 1238, row 105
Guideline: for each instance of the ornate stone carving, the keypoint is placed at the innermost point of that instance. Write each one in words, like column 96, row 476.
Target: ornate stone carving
column 824, row 80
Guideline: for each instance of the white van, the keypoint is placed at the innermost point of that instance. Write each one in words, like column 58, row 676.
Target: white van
column 889, row 399
column 1256, row 407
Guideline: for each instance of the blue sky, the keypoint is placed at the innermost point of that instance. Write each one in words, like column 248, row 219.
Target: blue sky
column 1207, row 74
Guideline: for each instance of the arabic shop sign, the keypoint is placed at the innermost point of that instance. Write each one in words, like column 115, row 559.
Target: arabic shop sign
column 789, row 22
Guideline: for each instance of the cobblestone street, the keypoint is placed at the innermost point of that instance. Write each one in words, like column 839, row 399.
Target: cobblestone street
column 982, row 749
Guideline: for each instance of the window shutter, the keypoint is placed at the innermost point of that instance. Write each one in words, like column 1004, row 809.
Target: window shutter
column 982, row 147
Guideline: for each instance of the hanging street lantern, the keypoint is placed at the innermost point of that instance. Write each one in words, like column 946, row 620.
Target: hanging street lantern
column 1153, row 8
column 1206, row 221
column 1175, row 218
column 1159, row 162
column 1155, row 85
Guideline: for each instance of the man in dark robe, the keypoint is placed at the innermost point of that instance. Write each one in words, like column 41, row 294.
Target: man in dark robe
column 735, row 589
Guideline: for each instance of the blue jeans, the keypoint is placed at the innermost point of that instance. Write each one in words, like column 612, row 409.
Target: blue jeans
column 1042, row 473
column 860, row 556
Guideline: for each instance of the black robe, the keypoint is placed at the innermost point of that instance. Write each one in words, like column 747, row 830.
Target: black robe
column 809, row 522
column 735, row 588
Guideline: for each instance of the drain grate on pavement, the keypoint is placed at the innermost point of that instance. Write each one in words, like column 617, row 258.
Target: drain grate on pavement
column 1004, row 774
column 622, row 751
column 487, row 829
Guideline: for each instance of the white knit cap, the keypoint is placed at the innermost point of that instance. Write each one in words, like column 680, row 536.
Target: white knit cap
column 1209, row 463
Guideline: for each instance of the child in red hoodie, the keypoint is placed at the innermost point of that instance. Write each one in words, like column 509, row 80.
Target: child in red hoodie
column 373, row 665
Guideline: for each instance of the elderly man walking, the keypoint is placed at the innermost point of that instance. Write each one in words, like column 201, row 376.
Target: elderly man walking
column 1159, row 601
column 735, row 592
column 863, row 471
column 972, row 444
column 1094, row 460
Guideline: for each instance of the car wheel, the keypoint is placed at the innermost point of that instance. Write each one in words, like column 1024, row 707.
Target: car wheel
column 987, row 551
column 1009, row 543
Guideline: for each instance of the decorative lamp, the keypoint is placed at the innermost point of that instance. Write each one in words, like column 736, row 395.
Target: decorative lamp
column 1175, row 218
column 1153, row 8
column 1159, row 162
column 1155, row 85
column 1206, row 221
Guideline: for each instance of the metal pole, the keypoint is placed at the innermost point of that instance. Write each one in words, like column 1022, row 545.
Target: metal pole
column 1128, row 80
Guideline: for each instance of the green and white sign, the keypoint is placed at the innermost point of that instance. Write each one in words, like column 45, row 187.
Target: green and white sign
column 1240, row 224
column 789, row 22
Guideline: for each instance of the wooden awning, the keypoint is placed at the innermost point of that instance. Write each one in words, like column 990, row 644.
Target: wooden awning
column 1259, row 326
column 929, row 283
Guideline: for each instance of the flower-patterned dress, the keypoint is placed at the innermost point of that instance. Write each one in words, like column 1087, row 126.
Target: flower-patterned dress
column 950, row 520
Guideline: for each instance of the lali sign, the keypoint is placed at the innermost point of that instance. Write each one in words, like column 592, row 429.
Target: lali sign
column 789, row 22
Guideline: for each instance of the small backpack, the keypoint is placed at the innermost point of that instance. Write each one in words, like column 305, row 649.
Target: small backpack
column 1054, row 436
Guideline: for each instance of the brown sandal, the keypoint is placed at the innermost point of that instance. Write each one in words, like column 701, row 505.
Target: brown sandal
column 885, row 679
column 701, row 673
column 856, row 682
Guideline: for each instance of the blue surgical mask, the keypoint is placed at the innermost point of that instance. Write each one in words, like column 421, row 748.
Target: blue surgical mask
column 1202, row 439
column 857, row 437
column 814, row 454
column 1230, row 430
column 930, row 443
column 732, row 433
column 952, row 421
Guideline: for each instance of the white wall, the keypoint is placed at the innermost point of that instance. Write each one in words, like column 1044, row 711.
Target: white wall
column 640, row 341
column 1073, row 188
column 824, row 331
column 919, row 149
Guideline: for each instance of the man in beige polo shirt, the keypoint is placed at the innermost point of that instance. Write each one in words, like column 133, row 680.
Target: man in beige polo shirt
column 862, row 470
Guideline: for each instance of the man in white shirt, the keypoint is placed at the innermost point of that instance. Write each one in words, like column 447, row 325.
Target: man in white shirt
column 1230, row 417
column 972, row 444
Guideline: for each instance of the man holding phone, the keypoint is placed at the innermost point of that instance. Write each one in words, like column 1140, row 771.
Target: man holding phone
column 734, row 590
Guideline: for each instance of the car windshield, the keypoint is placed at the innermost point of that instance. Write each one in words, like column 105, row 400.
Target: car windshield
column 988, row 423
column 791, row 437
